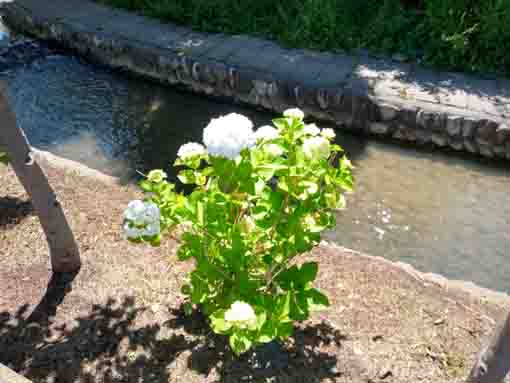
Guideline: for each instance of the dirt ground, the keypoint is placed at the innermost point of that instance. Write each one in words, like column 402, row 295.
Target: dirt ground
column 119, row 319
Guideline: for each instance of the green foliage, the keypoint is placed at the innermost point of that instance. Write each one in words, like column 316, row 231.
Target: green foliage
column 4, row 159
column 246, row 222
column 471, row 35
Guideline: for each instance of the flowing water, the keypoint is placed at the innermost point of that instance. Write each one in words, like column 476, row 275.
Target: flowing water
column 440, row 213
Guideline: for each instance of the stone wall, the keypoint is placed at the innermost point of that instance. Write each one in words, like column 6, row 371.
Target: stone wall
column 371, row 95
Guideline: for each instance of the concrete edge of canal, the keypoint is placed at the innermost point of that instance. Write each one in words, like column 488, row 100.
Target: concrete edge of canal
column 374, row 96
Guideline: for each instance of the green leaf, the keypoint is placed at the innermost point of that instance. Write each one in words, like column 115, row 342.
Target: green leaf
column 308, row 273
column 146, row 185
column 286, row 278
column 283, row 306
column 281, row 124
column 187, row 176
column 4, row 158
column 316, row 300
column 299, row 307
column 285, row 330
column 218, row 322
column 188, row 308
column 239, row 343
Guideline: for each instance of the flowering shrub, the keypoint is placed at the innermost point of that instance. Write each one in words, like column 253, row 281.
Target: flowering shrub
column 260, row 199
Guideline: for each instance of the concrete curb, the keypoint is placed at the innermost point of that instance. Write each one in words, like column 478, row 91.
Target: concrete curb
column 454, row 287
column 361, row 93
column 48, row 159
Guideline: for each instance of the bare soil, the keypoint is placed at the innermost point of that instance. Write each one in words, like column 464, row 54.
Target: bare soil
column 119, row 320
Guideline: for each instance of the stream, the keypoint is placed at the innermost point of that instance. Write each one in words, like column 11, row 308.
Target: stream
column 441, row 213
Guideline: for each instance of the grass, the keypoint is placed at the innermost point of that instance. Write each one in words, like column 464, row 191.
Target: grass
column 465, row 35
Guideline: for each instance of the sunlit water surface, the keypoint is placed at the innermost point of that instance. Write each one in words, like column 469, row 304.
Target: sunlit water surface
column 441, row 214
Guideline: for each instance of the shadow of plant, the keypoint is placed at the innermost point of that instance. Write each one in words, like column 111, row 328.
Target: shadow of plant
column 13, row 211
column 111, row 343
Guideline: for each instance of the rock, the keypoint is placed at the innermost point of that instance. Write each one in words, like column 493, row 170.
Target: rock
column 400, row 134
column 502, row 134
column 468, row 128
column 470, row 146
column 499, row 151
column 322, row 98
column 486, row 132
column 454, row 126
column 378, row 128
column 456, row 144
column 439, row 139
column 422, row 136
column 486, row 151
column 388, row 112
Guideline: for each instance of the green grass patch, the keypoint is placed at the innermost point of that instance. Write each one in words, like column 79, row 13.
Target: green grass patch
column 467, row 35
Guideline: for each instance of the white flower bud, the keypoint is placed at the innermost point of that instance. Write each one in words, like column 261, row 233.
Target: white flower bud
column 241, row 314
column 190, row 149
column 294, row 113
column 273, row 150
column 266, row 132
column 316, row 148
column 157, row 175
column 311, row 129
column 328, row 133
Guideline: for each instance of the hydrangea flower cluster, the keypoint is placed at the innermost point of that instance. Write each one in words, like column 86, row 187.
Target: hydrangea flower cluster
column 328, row 133
column 266, row 132
column 191, row 149
column 142, row 219
column 240, row 314
column 294, row 113
column 311, row 129
column 316, row 148
column 228, row 135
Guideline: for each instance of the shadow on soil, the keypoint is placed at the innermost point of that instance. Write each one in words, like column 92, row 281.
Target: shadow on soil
column 13, row 211
column 110, row 344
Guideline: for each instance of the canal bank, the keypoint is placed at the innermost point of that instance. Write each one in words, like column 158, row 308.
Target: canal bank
column 369, row 95
column 122, row 315
column 444, row 213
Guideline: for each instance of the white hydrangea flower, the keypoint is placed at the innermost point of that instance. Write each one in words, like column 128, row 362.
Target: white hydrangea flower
column 316, row 148
column 151, row 213
column 157, row 175
column 227, row 135
column 273, row 150
column 240, row 313
column 191, row 149
column 294, row 113
column 152, row 229
column 131, row 231
column 328, row 133
column 311, row 129
column 142, row 219
column 266, row 132
column 149, row 230
column 135, row 211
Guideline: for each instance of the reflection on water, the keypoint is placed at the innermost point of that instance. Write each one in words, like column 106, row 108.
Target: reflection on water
column 438, row 213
